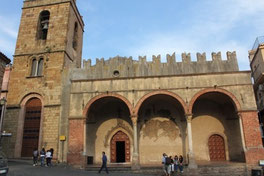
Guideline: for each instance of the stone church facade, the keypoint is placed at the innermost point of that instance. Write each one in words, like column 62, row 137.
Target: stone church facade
column 134, row 110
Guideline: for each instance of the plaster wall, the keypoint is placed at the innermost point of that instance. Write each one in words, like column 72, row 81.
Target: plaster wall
column 104, row 134
column 202, row 128
column 158, row 136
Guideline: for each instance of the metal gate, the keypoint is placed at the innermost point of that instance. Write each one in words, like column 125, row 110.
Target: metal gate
column 216, row 146
column 117, row 138
column 31, row 127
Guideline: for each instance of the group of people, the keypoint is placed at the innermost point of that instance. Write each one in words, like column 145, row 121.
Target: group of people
column 171, row 165
column 42, row 155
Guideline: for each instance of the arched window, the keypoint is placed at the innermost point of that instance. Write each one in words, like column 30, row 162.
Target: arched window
column 75, row 36
column 33, row 67
column 43, row 25
column 40, row 67
column 37, row 67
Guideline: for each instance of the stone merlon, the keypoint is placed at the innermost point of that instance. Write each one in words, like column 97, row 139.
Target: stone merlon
column 124, row 67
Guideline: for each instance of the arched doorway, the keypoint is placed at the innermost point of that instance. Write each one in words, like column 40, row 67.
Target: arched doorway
column 216, row 145
column 120, row 148
column 31, row 127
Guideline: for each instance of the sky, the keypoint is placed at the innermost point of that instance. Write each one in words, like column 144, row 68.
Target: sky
column 151, row 27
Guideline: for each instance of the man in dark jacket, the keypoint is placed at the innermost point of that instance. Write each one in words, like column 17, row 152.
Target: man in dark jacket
column 104, row 162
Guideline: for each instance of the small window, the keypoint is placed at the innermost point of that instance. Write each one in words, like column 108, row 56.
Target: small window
column 75, row 36
column 116, row 73
column 34, row 67
column 43, row 25
column 40, row 67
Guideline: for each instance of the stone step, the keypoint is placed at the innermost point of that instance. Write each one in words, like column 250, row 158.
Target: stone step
column 227, row 170
column 217, row 170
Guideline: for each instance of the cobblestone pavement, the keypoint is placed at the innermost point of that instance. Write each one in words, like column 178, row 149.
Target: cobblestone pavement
column 25, row 168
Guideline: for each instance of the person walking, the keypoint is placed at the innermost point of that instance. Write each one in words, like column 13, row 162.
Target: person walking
column 104, row 163
column 164, row 156
column 35, row 157
column 42, row 157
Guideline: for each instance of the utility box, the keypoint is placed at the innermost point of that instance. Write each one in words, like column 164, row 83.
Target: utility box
column 90, row 160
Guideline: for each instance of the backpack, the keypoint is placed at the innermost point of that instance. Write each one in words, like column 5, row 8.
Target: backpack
column 167, row 161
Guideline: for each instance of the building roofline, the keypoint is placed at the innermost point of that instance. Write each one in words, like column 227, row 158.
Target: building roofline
column 5, row 58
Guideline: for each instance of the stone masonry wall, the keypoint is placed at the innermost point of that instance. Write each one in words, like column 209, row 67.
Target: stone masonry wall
column 185, row 86
column 58, row 55
column 57, row 32
column 127, row 67
column 50, row 130
column 10, row 125
column 49, row 87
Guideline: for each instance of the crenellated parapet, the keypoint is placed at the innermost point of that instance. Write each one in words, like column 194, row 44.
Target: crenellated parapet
column 127, row 67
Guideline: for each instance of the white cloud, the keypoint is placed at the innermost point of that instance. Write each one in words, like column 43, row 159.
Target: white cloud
column 209, row 32
column 86, row 6
column 8, row 27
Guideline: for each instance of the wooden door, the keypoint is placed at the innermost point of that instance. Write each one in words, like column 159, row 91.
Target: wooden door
column 216, row 146
column 31, row 127
column 118, row 138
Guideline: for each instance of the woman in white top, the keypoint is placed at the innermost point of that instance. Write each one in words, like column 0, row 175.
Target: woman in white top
column 48, row 157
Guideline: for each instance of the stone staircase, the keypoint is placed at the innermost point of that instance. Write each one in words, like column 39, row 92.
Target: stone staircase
column 223, row 170
column 229, row 169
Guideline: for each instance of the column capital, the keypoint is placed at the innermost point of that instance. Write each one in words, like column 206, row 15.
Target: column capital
column 189, row 117
column 134, row 119
column 239, row 114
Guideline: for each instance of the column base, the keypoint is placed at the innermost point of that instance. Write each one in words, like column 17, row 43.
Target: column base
column 135, row 162
column 135, row 167
column 192, row 163
column 76, row 160
column 253, row 155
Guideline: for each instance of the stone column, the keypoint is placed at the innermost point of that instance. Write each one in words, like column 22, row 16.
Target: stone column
column 242, row 132
column 192, row 162
column 135, row 157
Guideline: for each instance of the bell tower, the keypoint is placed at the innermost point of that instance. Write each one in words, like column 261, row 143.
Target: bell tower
column 49, row 44
column 51, row 27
